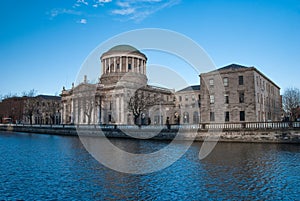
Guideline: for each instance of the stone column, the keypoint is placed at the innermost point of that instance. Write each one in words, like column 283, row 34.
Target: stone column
column 104, row 64
column 72, row 111
column 109, row 70
column 115, row 65
column 121, row 66
column 63, row 114
column 122, row 110
column 126, row 66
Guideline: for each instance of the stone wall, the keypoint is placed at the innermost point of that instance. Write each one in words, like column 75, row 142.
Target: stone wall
column 225, row 135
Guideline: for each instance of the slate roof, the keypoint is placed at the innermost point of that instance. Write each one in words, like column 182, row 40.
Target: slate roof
column 49, row 97
column 233, row 67
column 190, row 88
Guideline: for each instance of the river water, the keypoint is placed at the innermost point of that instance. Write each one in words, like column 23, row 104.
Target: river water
column 48, row 167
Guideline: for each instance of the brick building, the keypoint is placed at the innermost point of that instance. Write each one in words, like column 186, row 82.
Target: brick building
column 41, row 109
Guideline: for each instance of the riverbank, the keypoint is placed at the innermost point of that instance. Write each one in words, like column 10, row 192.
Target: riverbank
column 185, row 132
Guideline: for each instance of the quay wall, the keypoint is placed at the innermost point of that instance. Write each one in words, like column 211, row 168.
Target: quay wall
column 191, row 132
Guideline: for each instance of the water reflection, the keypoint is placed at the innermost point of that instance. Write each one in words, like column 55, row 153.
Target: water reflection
column 44, row 167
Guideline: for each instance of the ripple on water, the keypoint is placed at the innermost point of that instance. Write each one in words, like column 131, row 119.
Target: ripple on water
column 43, row 167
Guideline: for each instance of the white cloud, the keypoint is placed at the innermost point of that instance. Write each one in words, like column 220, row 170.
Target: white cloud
column 125, row 11
column 138, row 10
column 82, row 2
column 82, row 21
column 123, row 4
column 58, row 11
column 104, row 1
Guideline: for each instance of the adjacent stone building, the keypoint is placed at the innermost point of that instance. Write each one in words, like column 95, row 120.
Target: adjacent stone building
column 188, row 102
column 238, row 93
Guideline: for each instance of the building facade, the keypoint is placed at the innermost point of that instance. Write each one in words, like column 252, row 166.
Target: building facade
column 238, row 93
column 41, row 109
column 122, row 95
column 188, row 102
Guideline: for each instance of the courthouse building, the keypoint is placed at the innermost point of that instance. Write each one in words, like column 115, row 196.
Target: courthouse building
column 233, row 93
column 123, row 73
column 238, row 93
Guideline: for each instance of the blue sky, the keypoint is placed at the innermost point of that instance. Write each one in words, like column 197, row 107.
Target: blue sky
column 44, row 43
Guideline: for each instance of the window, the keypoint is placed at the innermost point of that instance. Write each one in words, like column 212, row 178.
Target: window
column 186, row 98
column 212, row 99
column 225, row 82
column 212, row 116
column 241, row 97
column 180, row 98
column 241, row 80
column 258, row 97
column 226, row 116
column 195, row 117
column 211, row 82
column 193, row 97
column 129, row 66
column 242, row 115
column 226, row 99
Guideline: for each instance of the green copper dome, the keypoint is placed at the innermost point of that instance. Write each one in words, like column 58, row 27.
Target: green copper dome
column 123, row 48
column 127, row 49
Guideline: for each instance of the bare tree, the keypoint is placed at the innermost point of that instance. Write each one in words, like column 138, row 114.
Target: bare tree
column 88, row 105
column 51, row 109
column 9, row 95
column 30, row 106
column 138, row 103
column 290, row 101
column 30, row 93
column 86, row 94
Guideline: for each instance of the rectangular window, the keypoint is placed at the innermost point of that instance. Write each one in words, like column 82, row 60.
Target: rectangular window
column 225, row 82
column 129, row 66
column 212, row 116
column 212, row 99
column 242, row 115
column 211, row 82
column 186, row 98
column 226, row 99
column 226, row 116
column 241, row 97
column 193, row 97
column 180, row 98
column 241, row 80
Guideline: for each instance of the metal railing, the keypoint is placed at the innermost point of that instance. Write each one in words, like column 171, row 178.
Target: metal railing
column 201, row 126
